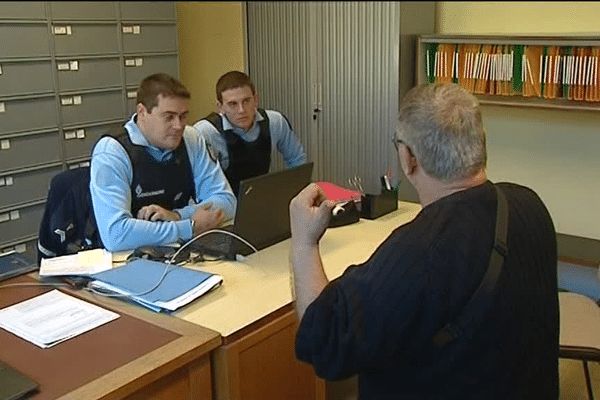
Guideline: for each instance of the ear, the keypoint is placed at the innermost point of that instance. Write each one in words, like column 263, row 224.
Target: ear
column 408, row 161
column 256, row 99
column 219, row 107
column 140, row 109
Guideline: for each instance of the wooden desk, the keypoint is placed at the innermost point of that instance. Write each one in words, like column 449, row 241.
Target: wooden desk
column 253, row 311
column 140, row 355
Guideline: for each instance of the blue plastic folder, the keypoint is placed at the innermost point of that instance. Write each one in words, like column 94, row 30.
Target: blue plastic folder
column 133, row 280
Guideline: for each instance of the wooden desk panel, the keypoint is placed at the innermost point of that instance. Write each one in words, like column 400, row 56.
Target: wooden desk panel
column 263, row 365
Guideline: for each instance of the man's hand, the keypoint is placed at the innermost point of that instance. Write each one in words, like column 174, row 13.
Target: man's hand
column 205, row 219
column 155, row 212
column 310, row 212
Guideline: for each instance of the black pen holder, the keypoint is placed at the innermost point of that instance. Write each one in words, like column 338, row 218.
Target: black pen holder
column 375, row 205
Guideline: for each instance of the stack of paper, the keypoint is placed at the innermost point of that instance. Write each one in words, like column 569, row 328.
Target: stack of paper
column 85, row 262
column 53, row 317
column 156, row 285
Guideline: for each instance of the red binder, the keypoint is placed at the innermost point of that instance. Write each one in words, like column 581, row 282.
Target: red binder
column 338, row 193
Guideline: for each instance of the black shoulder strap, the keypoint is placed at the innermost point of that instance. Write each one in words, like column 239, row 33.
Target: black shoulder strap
column 263, row 113
column 216, row 121
column 483, row 293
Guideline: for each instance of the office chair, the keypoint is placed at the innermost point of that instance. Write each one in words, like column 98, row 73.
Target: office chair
column 579, row 331
column 579, row 276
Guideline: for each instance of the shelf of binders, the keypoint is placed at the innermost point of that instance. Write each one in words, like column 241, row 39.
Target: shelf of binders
column 535, row 71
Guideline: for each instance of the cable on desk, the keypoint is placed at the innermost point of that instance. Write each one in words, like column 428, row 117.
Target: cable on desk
column 162, row 278
column 215, row 231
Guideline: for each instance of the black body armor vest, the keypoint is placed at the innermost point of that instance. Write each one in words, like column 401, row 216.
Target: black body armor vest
column 169, row 184
column 246, row 159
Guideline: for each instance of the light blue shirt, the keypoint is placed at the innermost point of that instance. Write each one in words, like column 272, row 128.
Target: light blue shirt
column 283, row 138
column 110, row 186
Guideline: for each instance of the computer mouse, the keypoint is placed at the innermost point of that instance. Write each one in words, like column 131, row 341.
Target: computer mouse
column 344, row 214
column 182, row 255
column 160, row 253
column 149, row 253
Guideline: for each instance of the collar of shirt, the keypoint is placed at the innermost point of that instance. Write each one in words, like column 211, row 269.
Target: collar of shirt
column 249, row 135
column 138, row 137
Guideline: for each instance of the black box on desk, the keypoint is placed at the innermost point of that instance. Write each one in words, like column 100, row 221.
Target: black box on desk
column 375, row 205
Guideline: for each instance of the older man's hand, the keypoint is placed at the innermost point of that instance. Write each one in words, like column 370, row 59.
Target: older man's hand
column 310, row 212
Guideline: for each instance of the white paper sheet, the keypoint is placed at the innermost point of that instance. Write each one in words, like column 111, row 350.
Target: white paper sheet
column 53, row 317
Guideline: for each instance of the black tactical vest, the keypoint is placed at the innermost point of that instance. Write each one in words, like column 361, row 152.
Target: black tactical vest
column 169, row 184
column 246, row 159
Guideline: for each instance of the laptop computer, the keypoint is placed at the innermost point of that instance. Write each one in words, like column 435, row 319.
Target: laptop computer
column 14, row 384
column 13, row 264
column 262, row 216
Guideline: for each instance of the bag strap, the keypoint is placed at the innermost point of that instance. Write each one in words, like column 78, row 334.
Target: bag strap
column 483, row 293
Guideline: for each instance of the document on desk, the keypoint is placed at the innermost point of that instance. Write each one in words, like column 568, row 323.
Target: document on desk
column 84, row 263
column 52, row 318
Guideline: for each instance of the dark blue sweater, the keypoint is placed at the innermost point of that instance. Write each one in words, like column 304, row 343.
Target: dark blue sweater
column 378, row 318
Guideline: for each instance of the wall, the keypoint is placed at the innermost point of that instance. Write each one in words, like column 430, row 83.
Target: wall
column 555, row 152
column 211, row 42
column 520, row 17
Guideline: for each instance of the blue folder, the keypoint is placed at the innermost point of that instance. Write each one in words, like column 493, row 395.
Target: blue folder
column 137, row 281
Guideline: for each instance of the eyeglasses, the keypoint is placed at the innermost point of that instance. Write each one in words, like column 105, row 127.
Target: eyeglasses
column 396, row 142
column 399, row 141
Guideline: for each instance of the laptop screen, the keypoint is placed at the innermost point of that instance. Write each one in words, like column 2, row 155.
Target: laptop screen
column 262, row 216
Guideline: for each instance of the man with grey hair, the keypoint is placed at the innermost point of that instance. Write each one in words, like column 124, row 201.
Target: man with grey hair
column 381, row 319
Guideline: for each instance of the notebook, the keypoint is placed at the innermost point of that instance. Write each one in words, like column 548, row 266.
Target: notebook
column 14, row 384
column 262, row 216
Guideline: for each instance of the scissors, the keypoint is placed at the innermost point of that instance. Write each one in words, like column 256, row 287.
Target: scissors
column 357, row 183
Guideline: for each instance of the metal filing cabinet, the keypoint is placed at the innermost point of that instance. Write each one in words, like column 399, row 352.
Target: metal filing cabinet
column 68, row 74
column 79, row 139
column 24, row 39
column 26, row 77
column 27, row 185
column 80, row 73
column 149, row 43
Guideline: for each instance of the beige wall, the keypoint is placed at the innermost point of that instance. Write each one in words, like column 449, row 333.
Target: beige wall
column 520, row 17
column 211, row 42
column 556, row 153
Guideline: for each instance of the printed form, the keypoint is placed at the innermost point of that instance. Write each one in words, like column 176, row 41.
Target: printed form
column 53, row 317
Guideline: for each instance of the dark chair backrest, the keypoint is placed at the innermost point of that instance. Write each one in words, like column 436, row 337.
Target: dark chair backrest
column 68, row 224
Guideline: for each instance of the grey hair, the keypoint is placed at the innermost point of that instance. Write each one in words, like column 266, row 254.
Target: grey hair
column 442, row 125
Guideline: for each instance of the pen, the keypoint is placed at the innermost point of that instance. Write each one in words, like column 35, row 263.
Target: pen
column 386, row 182
column 388, row 176
column 357, row 183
